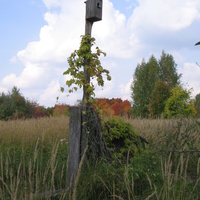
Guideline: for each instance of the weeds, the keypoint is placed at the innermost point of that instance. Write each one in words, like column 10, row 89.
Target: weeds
column 32, row 159
column 33, row 163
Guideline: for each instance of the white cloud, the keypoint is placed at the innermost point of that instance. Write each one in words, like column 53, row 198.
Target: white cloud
column 50, row 93
column 153, row 26
column 113, row 34
column 58, row 38
column 30, row 76
column 178, row 57
column 191, row 74
column 125, row 91
column 107, row 90
column 3, row 89
column 166, row 15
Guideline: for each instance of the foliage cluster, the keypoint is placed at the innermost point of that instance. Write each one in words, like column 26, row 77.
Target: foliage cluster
column 159, row 96
column 113, row 107
column 40, row 111
column 120, row 138
column 14, row 105
column 149, row 173
column 60, row 109
column 85, row 65
column 197, row 104
column 179, row 104
column 153, row 88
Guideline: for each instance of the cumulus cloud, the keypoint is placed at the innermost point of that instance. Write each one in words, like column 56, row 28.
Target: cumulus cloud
column 166, row 15
column 111, row 33
column 191, row 74
column 125, row 90
column 3, row 90
column 106, row 91
column 59, row 37
column 151, row 27
column 30, row 76
column 161, row 25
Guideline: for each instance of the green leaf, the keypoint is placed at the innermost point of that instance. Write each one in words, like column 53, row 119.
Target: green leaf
column 84, row 112
column 75, row 88
column 62, row 89
column 108, row 77
column 77, row 67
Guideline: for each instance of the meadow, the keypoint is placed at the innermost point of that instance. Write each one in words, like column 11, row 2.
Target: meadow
column 33, row 162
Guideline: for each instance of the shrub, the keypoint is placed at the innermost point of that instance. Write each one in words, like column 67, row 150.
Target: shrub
column 179, row 104
column 120, row 138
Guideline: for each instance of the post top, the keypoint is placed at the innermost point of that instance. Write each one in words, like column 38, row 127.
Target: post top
column 94, row 10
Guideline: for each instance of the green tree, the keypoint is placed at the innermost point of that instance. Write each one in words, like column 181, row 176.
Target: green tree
column 14, row 105
column 179, row 104
column 145, row 78
column 197, row 103
column 17, row 102
column 159, row 96
column 168, row 70
column 5, row 107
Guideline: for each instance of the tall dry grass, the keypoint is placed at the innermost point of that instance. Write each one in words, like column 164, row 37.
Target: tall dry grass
column 167, row 169
column 169, row 134
column 33, row 163
column 28, row 131
column 33, row 158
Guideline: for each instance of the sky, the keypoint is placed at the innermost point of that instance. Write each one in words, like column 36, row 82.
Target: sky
column 37, row 37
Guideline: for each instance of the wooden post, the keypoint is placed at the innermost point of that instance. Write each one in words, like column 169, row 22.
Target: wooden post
column 78, row 133
column 93, row 14
column 74, row 145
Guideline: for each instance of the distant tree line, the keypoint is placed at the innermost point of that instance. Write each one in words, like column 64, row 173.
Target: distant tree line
column 157, row 90
column 15, row 106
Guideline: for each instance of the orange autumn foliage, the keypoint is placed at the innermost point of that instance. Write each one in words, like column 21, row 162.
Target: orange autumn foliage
column 40, row 111
column 60, row 109
column 113, row 106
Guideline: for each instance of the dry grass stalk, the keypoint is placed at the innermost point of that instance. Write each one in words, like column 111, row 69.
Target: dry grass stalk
column 32, row 132
column 78, row 174
column 198, row 166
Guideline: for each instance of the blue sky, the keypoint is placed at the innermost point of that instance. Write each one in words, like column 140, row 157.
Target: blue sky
column 20, row 23
column 37, row 36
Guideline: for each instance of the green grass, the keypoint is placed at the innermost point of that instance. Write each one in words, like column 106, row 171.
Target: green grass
column 33, row 162
column 33, row 158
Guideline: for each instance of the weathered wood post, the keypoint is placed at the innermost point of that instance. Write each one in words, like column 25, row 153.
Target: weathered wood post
column 78, row 136
column 74, row 144
column 93, row 14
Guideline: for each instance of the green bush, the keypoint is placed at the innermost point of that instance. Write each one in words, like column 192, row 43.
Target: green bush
column 120, row 138
column 179, row 104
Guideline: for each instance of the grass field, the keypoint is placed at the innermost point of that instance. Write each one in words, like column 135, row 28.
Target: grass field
column 33, row 156
column 33, row 162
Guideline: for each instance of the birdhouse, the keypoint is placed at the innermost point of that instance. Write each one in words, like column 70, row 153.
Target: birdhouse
column 94, row 10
